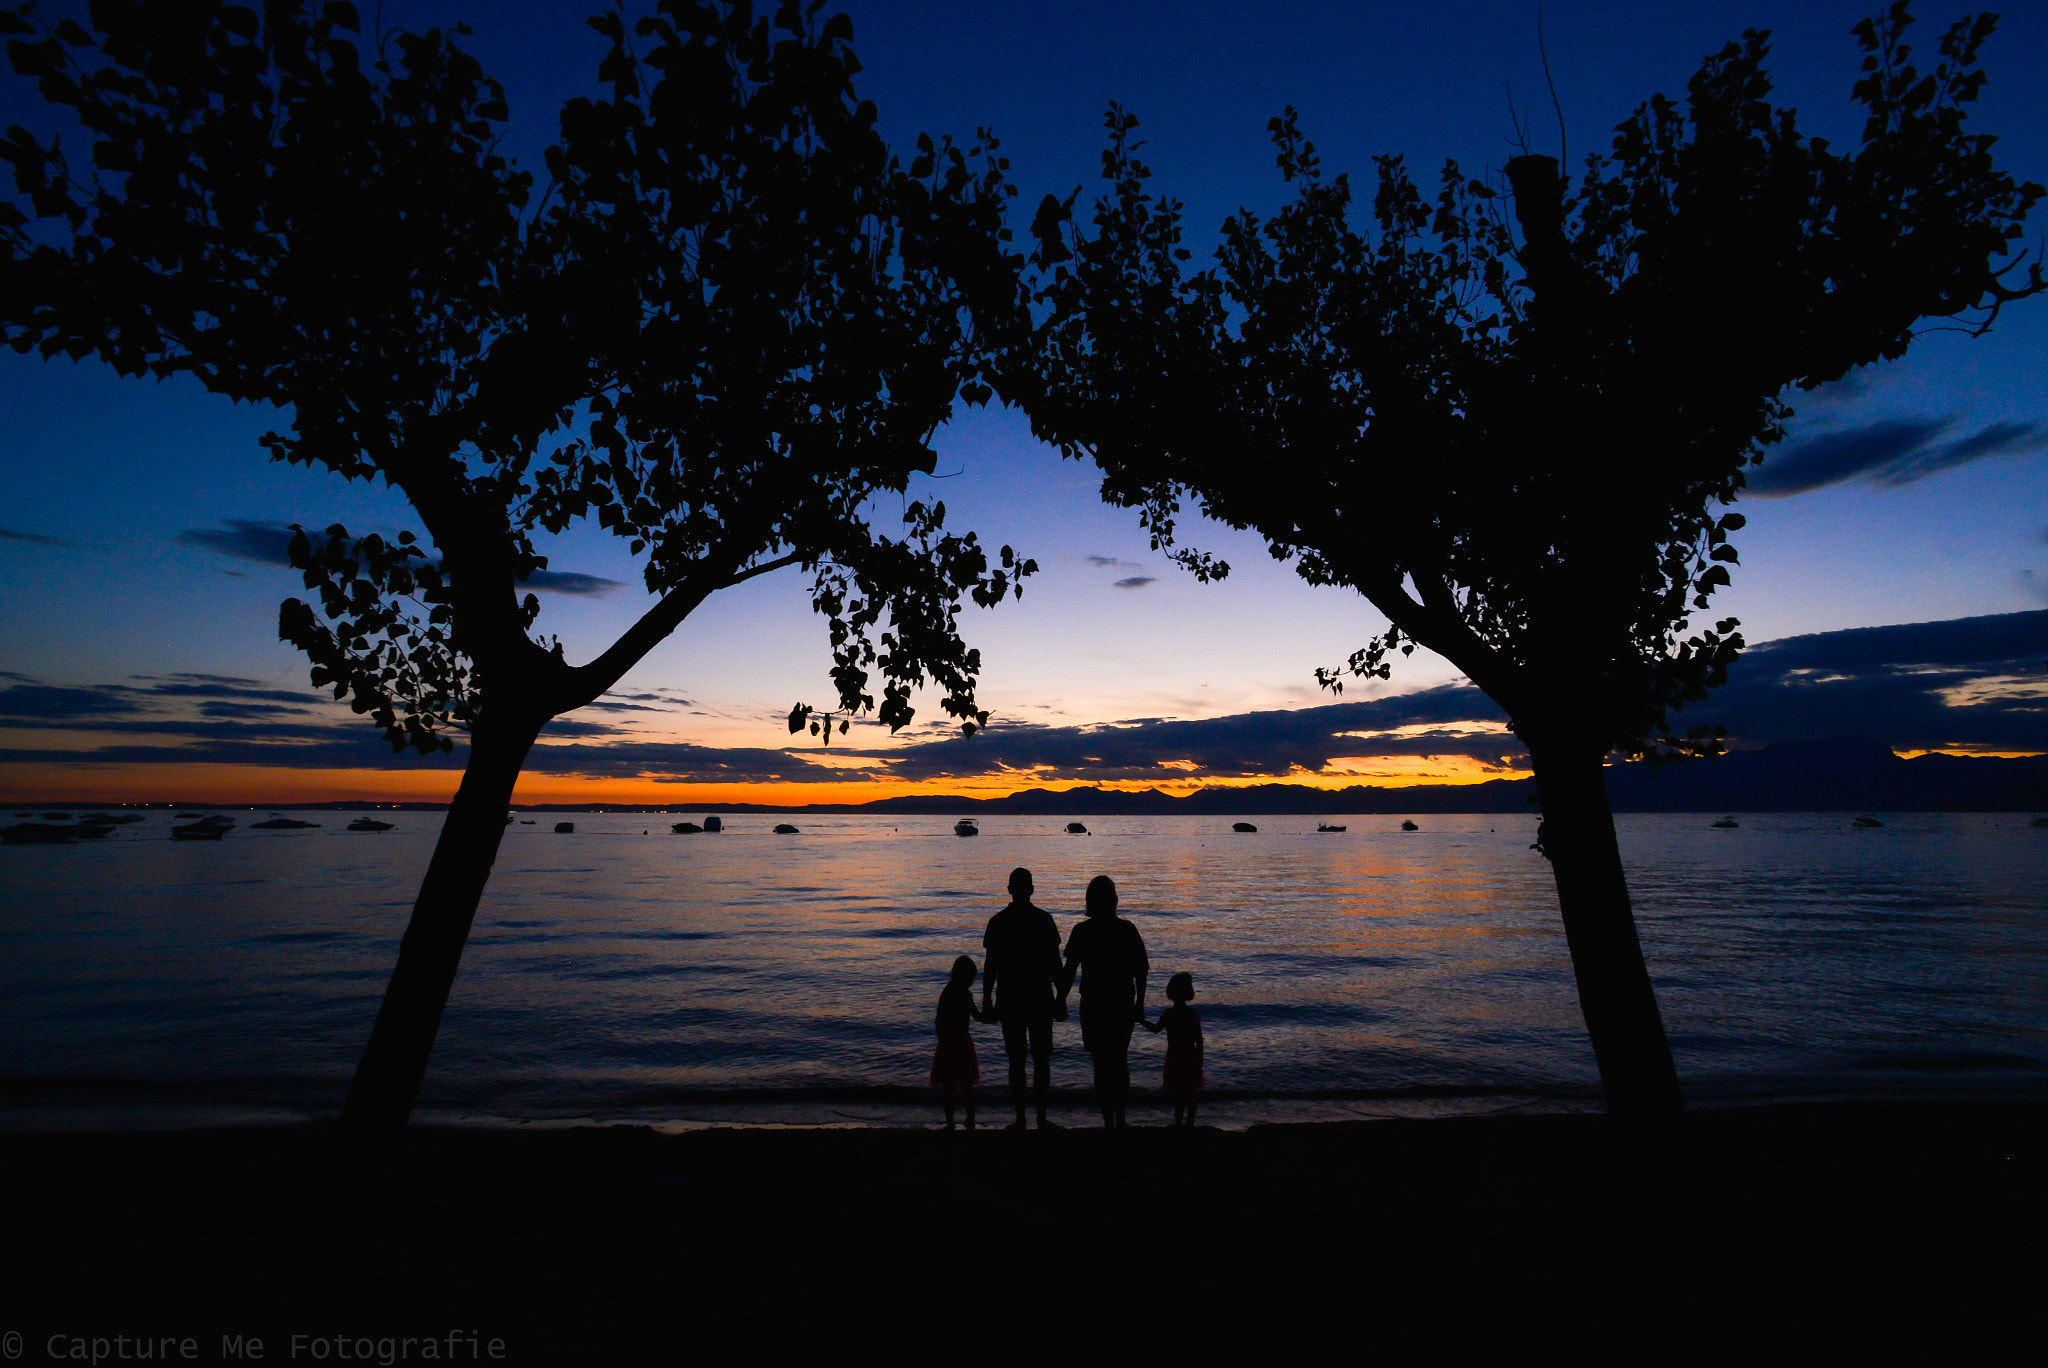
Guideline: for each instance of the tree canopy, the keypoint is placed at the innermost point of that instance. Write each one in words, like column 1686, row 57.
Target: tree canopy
column 1511, row 416
column 729, row 321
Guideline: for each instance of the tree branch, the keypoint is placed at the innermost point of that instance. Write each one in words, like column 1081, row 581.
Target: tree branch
column 585, row 684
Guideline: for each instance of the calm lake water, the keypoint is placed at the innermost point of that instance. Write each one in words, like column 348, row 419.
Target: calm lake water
column 750, row 976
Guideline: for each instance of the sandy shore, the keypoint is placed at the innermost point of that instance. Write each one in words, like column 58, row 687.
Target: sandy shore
column 622, row 1245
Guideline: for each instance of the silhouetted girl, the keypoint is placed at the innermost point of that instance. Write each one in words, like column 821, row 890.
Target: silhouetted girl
column 1183, row 1027
column 954, row 1064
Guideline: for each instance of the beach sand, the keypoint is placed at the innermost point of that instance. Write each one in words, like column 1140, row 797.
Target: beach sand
column 1806, row 1226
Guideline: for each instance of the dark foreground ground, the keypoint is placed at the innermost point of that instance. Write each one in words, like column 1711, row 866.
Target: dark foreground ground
column 1807, row 1228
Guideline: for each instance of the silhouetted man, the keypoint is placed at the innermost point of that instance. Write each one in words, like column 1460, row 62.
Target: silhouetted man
column 1109, row 955
column 1020, row 969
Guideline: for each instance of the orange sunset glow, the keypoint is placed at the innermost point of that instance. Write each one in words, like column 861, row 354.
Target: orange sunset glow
column 259, row 785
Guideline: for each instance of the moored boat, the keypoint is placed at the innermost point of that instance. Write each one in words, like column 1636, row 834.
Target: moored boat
column 686, row 829
column 1076, row 829
column 279, row 822
column 1866, row 822
column 713, row 824
column 1326, row 827
column 966, row 827
column 1409, row 826
column 39, row 833
column 368, row 824
column 785, row 829
column 208, row 828
column 565, row 828
column 1243, row 826
column 1726, row 824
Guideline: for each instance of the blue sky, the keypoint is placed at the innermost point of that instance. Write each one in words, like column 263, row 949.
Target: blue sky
column 104, row 482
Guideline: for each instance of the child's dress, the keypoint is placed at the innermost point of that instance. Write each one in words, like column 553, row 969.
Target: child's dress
column 1183, row 1049
column 954, row 1064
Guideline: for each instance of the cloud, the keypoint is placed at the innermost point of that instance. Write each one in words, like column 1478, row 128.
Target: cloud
column 1111, row 563
column 174, row 706
column 1448, row 720
column 1995, row 440
column 1967, row 682
column 610, row 703
column 263, row 542
column 1851, row 386
column 221, row 686
column 32, row 704
column 357, row 747
column 569, row 582
column 1997, row 638
column 34, row 538
column 269, row 543
column 1137, row 581
column 1890, row 452
column 679, row 762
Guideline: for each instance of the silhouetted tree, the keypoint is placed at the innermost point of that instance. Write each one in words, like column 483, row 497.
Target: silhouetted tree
column 731, row 321
column 1516, row 444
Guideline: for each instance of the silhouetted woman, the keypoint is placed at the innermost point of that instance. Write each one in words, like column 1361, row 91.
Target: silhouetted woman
column 1109, row 955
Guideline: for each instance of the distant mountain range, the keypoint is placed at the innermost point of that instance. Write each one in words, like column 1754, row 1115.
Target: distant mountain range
column 1787, row 776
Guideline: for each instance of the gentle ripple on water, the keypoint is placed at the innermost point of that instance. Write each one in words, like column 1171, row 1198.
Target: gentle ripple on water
column 615, row 974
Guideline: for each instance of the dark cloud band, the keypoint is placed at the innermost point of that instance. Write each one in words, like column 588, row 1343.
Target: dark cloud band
column 1891, row 452
column 1972, row 683
column 270, row 544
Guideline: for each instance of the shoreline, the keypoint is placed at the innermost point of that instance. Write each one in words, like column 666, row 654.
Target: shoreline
column 576, row 1242
column 34, row 1106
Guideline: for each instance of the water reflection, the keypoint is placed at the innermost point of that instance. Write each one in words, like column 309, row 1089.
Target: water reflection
column 615, row 973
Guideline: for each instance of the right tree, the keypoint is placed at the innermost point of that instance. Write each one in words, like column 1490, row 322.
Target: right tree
column 1513, row 415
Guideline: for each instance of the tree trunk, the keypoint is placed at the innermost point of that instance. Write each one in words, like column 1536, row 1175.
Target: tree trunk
column 387, row 1079
column 1615, row 993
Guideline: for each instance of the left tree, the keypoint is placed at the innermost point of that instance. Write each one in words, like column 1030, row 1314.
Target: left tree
column 731, row 320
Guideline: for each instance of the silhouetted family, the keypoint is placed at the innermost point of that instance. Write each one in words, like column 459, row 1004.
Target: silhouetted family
column 1025, row 982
